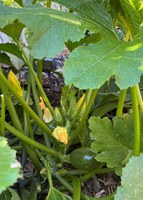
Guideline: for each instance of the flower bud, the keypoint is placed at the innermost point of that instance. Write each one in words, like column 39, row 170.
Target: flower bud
column 15, row 83
column 57, row 115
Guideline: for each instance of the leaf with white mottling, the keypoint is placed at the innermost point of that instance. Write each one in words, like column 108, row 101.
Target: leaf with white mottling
column 131, row 180
column 9, row 166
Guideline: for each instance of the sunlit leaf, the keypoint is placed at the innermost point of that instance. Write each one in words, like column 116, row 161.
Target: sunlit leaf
column 90, row 66
column 48, row 28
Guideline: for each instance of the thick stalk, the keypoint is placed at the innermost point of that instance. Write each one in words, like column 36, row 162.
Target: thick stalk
column 120, row 106
column 29, row 141
column 29, row 126
column 83, row 196
column 85, row 115
column 10, row 106
column 76, row 188
column 35, row 96
column 2, row 115
column 136, row 118
column 96, row 171
column 78, row 112
column 48, row 4
column 139, row 97
column 39, row 70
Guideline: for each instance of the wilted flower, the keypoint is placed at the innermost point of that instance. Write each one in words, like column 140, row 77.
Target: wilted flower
column 47, row 116
column 15, row 83
column 42, row 104
column 60, row 133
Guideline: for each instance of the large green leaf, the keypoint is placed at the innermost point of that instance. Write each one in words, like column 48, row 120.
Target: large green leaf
column 9, row 166
column 90, row 66
column 49, row 29
column 131, row 180
column 112, row 140
column 91, row 10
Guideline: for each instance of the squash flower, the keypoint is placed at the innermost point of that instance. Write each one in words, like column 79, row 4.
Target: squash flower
column 60, row 133
column 15, row 83
column 47, row 116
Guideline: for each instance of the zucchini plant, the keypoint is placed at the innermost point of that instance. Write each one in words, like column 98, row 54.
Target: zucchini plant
column 105, row 39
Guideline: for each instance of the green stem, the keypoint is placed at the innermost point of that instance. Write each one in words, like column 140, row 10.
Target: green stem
column 136, row 118
column 2, row 128
column 83, row 196
column 48, row 4
column 5, row 82
column 48, row 168
column 39, row 70
column 96, row 171
column 35, row 96
column 9, row 104
column 85, row 115
column 29, row 141
column 63, row 182
column 36, row 79
column 28, row 92
column 120, row 106
column 78, row 112
column 29, row 126
column 76, row 188
column 140, row 101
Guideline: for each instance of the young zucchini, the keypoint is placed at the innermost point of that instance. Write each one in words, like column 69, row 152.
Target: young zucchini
column 83, row 158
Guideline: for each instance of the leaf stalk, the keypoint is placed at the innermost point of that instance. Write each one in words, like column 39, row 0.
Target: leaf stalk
column 136, row 118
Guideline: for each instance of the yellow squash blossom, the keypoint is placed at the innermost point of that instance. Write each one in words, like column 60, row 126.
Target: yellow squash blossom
column 47, row 116
column 60, row 133
column 15, row 83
